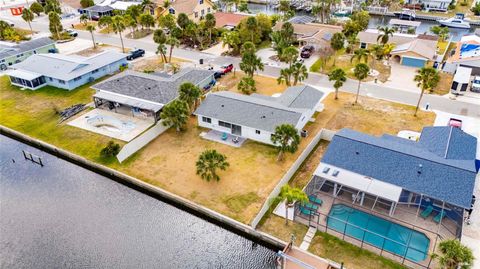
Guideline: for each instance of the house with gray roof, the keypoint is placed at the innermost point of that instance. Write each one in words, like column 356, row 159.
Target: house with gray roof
column 64, row 71
column 147, row 94
column 12, row 53
column 425, row 183
column 256, row 116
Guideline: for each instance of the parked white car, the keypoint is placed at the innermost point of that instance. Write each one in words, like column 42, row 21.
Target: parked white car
column 476, row 84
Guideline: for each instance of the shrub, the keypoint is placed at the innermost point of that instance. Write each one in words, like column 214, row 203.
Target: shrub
column 111, row 150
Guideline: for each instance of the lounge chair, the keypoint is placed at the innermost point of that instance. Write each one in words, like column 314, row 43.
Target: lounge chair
column 305, row 211
column 311, row 206
column 426, row 212
column 439, row 216
column 224, row 136
column 314, row 199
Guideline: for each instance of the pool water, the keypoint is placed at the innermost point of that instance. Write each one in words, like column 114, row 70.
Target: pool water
column 379, row 232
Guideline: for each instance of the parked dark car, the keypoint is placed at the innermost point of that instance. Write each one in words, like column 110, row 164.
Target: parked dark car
column 135, row 54
column 227, row 68
column 218, row 74
column 307, row 51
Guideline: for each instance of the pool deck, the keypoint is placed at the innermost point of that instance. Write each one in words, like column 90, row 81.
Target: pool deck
column 140, row 124
column 404, row 215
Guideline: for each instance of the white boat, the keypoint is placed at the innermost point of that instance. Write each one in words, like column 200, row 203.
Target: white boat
column 456, row 22
column 406, row 14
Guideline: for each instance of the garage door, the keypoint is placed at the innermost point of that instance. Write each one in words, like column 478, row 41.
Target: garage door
column 413, row 62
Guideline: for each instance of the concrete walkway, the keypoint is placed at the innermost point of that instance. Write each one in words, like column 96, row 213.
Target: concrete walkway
column 308, row 238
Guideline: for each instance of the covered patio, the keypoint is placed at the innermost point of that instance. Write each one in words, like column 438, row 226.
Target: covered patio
column 26, row 79
column 224, row 138
column 130, row 106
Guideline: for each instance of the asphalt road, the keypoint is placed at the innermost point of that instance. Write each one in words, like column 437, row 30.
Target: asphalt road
column 370, row 89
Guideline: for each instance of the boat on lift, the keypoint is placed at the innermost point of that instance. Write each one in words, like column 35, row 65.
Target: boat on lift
column 456, row 22
column 406, row 14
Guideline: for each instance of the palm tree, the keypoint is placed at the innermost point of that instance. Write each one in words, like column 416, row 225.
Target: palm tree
column 175, row 114
column 289, row 55
column 91, row 29
column 189, row 93
column 118, row 26
column 386, row 33
column 361, row 72
column 337, row 43
column 250, row 62
column 160, row 38
column 84, row 19
column 352, row 40
column 27, row 15
column 247, row 85
column 285, row 76
column 232, row 40
column 427, row 78
column 359, row 55
column 339, row 76
column 454, row 255
column 299, row 72
column 210, row 24
column 285, row 139
column 290, row 196
column 208, row 163
column 252, row 26
column 173, row 42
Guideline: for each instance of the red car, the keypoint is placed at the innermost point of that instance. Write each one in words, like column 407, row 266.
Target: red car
column 227, row 68
column 455, row 123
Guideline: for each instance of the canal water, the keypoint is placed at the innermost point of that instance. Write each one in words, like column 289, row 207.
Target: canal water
column 375, row 21
column 64, row 216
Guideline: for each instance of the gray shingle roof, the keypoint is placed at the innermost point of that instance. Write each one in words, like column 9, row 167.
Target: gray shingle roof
column 67, row 67
column 6, row 51
column 303, row 97
column 160, row 89
column 248, row 111
column 399, row 163
column 99, row 8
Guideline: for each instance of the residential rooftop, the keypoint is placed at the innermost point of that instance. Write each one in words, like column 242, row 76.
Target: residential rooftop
column 259, row 111
column 160, row 89
column 10, row 49
column 66, row 67
column 440, row 165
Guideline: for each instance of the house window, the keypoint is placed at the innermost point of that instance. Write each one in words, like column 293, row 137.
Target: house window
column 94, row 71
column 171, row 11
column 363, row 45
column 224, row 124
column 61, row 81
column 201, row 2
column 77, row 78
column 51, row 79
column 257, row 131
column 207, row 120
column 19, row 55
column 203, row 12
column 208, row 10
column 196, row 14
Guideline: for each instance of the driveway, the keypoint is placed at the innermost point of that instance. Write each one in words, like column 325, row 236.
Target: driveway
column 402, row 78
column 265, row 55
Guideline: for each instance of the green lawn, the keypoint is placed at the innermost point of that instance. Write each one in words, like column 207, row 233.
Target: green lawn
column 34, row 113
column 353, row 257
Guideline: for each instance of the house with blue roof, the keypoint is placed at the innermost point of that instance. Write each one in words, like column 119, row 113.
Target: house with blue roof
column 425, row 185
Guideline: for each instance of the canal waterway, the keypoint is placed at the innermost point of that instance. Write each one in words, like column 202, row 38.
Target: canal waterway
column 374, row 22
column 64, row 216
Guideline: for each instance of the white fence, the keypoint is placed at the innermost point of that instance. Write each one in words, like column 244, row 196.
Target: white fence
column 139, row 142
column 323, row 134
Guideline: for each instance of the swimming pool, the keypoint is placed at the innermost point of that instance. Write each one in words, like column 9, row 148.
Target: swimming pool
column 379, row 232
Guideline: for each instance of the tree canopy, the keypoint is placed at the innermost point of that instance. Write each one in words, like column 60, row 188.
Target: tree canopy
column 209, row 162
